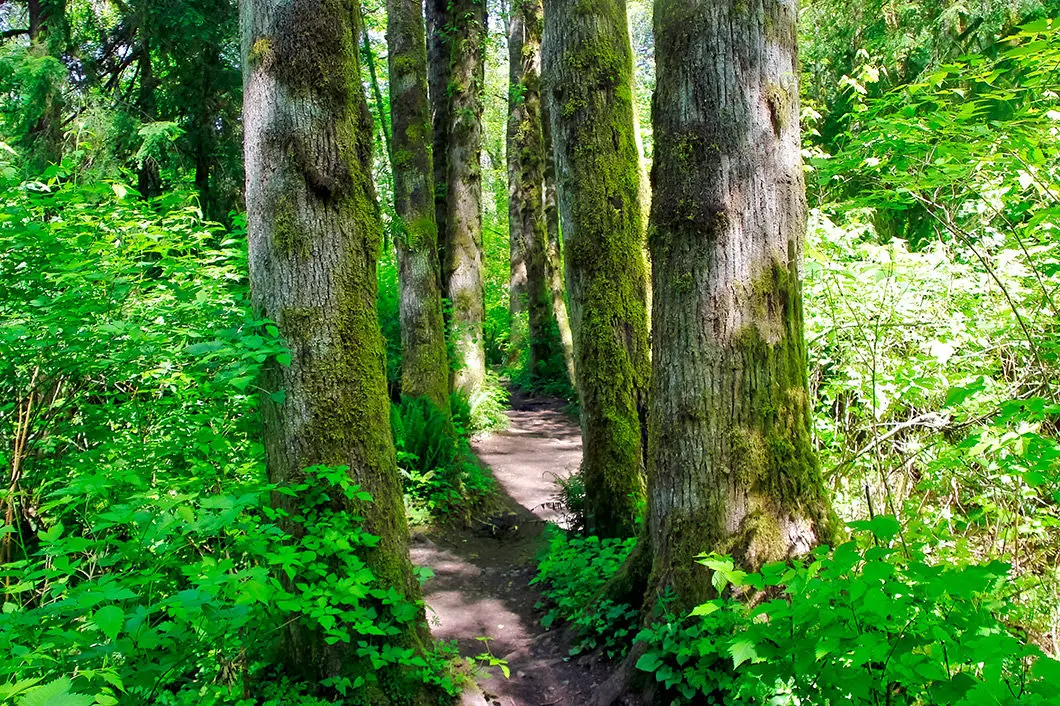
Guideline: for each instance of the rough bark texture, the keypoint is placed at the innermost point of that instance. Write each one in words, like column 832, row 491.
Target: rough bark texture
column 731, row 467
column 437, row 12
column 463, row 256
column 517, row 246
column 424, row 361
column 554, row 258
column 526, row 172
column 588, row 71
column 314, row 237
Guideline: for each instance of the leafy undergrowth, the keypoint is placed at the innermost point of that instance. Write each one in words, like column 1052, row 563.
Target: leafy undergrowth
column 571, row 572
column 872, row 622
column 140, row 557
column 442, row 479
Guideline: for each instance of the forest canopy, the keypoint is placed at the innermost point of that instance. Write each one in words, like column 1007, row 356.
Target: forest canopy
column 276, row 276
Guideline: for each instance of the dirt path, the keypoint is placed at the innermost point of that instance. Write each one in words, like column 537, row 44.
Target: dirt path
column 481, row 586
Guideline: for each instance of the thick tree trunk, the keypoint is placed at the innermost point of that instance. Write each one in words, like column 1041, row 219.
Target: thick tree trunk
column 463, row 256
column 557, row 287
column 314, row 236
column 589, row 72
column 526, row 148
column 731, row 468
column 424, row 361
column 437, row 12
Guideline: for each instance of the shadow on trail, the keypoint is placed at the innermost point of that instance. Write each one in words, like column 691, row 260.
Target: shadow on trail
column 481, row 587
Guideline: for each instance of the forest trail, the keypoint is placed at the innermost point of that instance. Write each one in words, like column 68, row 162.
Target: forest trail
column 481, row 587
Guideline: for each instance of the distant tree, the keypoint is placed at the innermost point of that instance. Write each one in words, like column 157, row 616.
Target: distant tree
column 462, row 264
column 526, row 173
column 424, row 361
column 556, row 284
column 588, row 69
column 314, row 237
column 731, row 465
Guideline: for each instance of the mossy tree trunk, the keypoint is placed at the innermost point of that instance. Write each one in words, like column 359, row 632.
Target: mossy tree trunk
column 49, row 35
column 314, row 239
column 424, row 361
column 589, row 73
column 517, row 246
column 554, row 255
column 731, row 467
column 463, row 256
column 437, row 14
column 526, row 173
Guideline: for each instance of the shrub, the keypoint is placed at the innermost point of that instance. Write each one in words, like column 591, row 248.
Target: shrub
column 572, row 571
column 853, row 626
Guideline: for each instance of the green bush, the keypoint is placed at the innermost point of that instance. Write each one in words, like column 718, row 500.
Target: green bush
column 440, row 472
column 855, row 626
column 572, row 571
column 141, row 562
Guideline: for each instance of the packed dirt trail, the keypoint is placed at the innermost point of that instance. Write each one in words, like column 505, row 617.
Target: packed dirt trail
column 481, row 587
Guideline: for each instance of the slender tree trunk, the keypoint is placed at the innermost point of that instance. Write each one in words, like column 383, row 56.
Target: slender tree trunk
column 463, row 257
column 314, row 237
column 424, row 361
column 48, row 33
column 517, row 243
column 732, row 468
column 589, row 71
column 557, row 287
column 368, row 57
column 437, row 12
column 526, row 147
column 205, row 132
column 148, row 177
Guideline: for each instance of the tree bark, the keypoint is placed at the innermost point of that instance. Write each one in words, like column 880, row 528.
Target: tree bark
column 526, row 157
column 463, row 256
column 49, row 34
column 517, row 329
column 314, row 239
column 557, row 286
column 437, row 12
column 731, row 467
column 148, row 177
column 589, row 73
column 424, row 361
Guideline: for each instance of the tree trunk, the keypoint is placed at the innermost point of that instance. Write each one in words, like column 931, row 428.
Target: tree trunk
column 463, row 266
column 589, row 72
column 731, row 468
column 48, row 33
column 424, row 361
column 204, row 131
column 314, row 238
column 517, row 329
column 437, row 12
column 557, row 287
column 526, row 153
column 148, row 177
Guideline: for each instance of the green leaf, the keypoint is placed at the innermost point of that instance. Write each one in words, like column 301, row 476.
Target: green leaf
column 706, row 609
column 56, row 693
column 742, row 651
column 109, row 619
